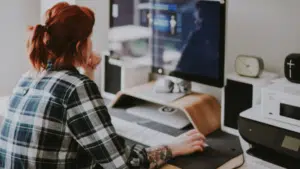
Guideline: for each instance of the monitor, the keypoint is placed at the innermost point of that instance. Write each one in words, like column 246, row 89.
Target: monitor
column 181, row 38
column 130, row 32
column 189, row 40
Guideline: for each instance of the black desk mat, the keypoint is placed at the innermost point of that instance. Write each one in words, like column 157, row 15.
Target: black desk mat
column 222, row 146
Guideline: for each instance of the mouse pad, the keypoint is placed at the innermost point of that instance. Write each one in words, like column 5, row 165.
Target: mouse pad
column 223, row 147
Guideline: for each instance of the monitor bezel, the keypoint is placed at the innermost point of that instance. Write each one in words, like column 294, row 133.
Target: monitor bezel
column 202, row 79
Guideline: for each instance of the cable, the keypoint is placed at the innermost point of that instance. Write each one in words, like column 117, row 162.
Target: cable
column 237, row 167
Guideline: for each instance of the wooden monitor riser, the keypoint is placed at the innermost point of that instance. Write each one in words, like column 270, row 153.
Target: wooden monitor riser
column 203, row 110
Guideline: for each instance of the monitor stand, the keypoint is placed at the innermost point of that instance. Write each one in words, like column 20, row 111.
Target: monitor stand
column 203, row 111
column 168, row 89
column 163, row 98
column 165, row 90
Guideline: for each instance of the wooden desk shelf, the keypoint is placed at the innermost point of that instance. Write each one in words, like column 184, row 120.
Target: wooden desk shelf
column 203, row 111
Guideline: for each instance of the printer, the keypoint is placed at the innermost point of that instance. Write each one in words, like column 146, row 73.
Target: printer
column 270, row 132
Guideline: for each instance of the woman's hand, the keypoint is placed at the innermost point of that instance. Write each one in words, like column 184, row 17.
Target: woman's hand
column 188, row 143
column 93, row 61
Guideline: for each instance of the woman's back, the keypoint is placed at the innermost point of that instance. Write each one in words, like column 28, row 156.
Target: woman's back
column 34, row 131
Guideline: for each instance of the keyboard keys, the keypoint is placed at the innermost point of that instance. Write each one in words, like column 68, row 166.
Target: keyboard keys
column 140, row 133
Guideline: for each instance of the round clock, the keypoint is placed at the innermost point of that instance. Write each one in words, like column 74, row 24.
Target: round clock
column 249, row 66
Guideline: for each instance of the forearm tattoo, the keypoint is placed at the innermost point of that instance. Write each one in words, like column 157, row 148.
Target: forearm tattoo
column 158, row 156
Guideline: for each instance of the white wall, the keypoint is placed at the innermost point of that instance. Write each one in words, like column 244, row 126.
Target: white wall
column 15, row 16
column 46, row 4
column 266, row 28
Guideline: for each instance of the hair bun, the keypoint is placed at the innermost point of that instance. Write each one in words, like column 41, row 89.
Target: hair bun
column 42, row 28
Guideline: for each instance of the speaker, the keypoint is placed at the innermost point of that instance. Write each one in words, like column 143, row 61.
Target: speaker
column 239, row 94
column 112, row 77
column 292, row 68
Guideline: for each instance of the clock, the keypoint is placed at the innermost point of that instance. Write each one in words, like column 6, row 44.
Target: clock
column 249, row 66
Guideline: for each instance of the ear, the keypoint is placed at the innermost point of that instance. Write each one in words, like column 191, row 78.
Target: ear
column 79, row 47
column 81, row 52
column 46, row 39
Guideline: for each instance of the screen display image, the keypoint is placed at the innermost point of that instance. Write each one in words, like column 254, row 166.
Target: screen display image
column 186, row 38
column 291, row 143
column 130, row 31
column 290, row 111
column 182, row 38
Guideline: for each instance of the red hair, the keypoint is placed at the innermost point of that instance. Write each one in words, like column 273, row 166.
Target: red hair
column 62, row 38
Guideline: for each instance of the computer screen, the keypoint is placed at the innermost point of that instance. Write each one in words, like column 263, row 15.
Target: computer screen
column 188, row 39
column 182, row 38
column 130, row 32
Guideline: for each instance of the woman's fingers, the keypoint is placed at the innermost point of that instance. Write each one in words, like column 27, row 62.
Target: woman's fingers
column 196, row 137
column 198, row 143
column 191, row 132
column 198, row 148
column 195, row 132
column 94, row 60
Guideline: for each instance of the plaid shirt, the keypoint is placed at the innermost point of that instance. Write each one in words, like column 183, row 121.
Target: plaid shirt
column 57, row 120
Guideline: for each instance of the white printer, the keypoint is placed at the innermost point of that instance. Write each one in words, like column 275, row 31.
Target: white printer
column 270, row 132
column 281, row 102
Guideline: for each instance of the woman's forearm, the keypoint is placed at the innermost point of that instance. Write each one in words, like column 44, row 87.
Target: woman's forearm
column 159, row 156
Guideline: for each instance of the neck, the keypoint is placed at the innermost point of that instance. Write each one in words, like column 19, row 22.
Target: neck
column 90, row 73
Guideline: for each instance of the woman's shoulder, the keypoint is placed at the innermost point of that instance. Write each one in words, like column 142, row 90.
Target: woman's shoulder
column 64, row 78
column 74, row 78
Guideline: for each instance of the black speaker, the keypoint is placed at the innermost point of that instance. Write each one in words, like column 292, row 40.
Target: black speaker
column 119, row 74
column 238, row 98
column 292, row 68
column 239, row 94
column 112, row 77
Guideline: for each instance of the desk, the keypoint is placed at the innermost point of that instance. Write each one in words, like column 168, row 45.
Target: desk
column 223, row 146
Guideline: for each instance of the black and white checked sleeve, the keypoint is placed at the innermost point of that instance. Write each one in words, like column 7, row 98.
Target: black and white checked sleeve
column 90, row 124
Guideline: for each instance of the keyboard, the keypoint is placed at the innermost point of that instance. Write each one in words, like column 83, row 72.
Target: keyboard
column 141, row 134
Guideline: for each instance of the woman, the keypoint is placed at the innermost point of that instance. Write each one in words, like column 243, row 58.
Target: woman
column 56, row 116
